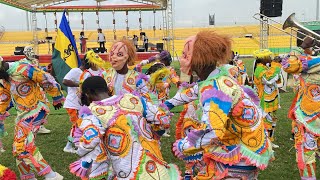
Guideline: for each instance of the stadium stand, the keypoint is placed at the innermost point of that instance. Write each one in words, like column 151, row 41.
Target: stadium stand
column 245, row 38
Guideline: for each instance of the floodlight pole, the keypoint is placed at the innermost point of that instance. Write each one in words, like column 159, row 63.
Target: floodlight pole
column 28, row 23
column 317, row 11
column 165, row 29
column 34, row 31
column 170, row 27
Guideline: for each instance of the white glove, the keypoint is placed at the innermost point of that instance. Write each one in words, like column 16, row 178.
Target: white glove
column 1, row 59
column 144, row 62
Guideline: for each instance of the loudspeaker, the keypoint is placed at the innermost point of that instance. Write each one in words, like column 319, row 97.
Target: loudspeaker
column 271, row 8
column 18, row 50
column 159, row 47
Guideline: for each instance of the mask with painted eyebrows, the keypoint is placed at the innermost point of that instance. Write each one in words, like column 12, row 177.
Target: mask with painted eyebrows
column 118, row 55
column 185, row 59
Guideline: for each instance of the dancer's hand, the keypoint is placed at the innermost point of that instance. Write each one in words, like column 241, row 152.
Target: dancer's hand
column 57, row 106
column 307, row 43
column 144, row 62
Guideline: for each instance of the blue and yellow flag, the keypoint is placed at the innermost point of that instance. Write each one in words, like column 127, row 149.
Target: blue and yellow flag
column 65, row 53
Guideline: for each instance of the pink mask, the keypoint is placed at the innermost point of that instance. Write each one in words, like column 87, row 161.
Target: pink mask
column 185, row 59
column 118, row 55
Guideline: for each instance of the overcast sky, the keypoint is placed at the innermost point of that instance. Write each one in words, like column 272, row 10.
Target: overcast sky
column 187, row 13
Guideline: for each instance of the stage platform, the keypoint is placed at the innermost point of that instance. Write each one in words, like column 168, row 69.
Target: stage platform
column 46, row 59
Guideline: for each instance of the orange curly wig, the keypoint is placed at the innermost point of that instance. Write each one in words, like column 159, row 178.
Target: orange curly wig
column 131, row 51
column 210, row 49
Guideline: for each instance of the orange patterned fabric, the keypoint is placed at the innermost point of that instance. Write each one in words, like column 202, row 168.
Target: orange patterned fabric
column 73, row 115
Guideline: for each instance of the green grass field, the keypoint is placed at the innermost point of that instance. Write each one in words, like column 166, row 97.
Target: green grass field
column 51, row 145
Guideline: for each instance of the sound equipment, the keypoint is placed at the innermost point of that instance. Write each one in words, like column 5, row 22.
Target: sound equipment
column 102, row 50
column 140, row 49
column 159, row 47
column 18, row 50
column 49, row 38
column 271, row 8
column 95, row 49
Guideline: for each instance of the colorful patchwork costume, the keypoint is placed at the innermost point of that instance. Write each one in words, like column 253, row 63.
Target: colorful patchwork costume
column 25, row 81
column 3, row 100
column 231, row 135
column 117, row 134
column 188, row 121
column 161, row 86
column 132, row 81
column 265, row 80
column 305, row 111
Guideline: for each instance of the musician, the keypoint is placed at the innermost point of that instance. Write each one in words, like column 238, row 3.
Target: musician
column 305, row 111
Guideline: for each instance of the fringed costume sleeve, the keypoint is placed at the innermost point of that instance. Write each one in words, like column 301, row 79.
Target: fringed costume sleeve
column 266, row 76
column 5, row 99
column 231, row 119
column 187, row 93
column 45, row 80
column 93, row 162
column 294, row 66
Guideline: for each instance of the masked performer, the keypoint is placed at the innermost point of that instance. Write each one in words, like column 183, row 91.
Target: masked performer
column 232, row 134
column 119, row 77
column 161, row 76
column 304, row 110
column 93, row 66
column 31, row 57
column 25, row 82
column 266, row 76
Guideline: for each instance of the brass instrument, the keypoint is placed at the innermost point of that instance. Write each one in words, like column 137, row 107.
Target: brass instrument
column 293, row 24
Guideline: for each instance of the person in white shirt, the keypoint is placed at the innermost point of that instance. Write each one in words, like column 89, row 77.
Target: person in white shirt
column 72, row 102
column 101, row 40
